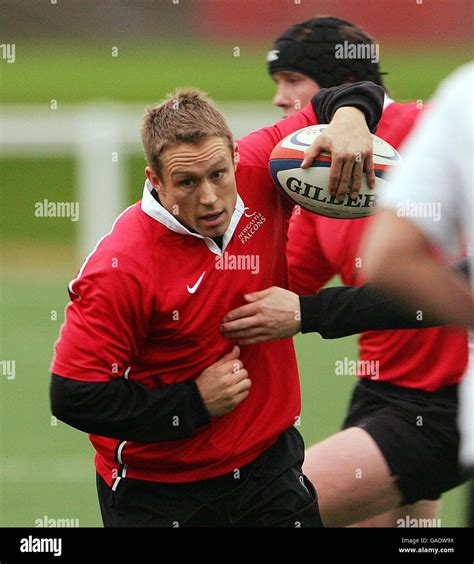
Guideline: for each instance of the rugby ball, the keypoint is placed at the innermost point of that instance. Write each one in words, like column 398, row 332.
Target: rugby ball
column 309, row 187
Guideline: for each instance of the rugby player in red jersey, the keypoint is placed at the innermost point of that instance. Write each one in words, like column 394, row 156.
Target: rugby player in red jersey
column 398, row 450
column 189, row 430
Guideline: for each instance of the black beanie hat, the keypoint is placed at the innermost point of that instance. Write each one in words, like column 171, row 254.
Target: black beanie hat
column 314, row 48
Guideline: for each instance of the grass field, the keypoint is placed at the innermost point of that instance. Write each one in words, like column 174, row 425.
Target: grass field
column 72, row 72
column 46, row 468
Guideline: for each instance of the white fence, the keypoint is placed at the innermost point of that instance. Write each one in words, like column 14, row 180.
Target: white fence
column 100, row 136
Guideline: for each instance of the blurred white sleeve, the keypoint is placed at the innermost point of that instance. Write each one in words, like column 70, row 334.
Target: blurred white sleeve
column 434, row 186
column 437, row 177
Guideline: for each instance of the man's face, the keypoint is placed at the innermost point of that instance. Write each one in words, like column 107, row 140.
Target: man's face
column 198, row 185
column 294, row 91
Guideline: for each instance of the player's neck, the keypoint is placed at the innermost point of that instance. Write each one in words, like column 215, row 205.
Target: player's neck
column 217, row 240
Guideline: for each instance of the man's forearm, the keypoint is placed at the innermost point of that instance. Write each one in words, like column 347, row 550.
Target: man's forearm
column 126, row 410
column 365, row 96
column 398, row 258
column 425, row 284
column 347, row 310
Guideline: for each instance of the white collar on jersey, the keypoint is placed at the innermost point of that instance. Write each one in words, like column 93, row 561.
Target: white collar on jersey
column 155, row 210
column 387, row 101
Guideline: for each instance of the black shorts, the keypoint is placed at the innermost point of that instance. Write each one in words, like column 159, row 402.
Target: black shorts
column 416, row 432
column 271, row 491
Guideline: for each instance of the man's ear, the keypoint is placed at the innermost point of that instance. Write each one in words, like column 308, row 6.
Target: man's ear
column 236, row 156
column 154, row 179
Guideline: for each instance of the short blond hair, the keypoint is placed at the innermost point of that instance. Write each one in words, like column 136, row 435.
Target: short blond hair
column 186, row 115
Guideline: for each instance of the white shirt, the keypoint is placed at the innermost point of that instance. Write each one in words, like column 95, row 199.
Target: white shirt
column 434, row 189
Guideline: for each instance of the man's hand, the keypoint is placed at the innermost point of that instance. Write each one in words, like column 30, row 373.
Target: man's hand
column 224, row 384
column 272, row 314
column 349, row 141
column 399, row 259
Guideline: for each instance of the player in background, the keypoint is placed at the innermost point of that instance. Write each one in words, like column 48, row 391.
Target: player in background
column 384, row 465
column 398, row 251
column 188, row 429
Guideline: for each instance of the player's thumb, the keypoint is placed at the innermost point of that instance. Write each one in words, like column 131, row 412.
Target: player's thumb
column 234, row 353
column 255, row 296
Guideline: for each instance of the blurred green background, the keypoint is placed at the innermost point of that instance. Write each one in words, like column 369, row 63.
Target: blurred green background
column 47, row 468
column 145, row 72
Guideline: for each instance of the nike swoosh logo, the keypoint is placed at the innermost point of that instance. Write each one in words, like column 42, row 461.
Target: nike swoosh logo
column 193, row 289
